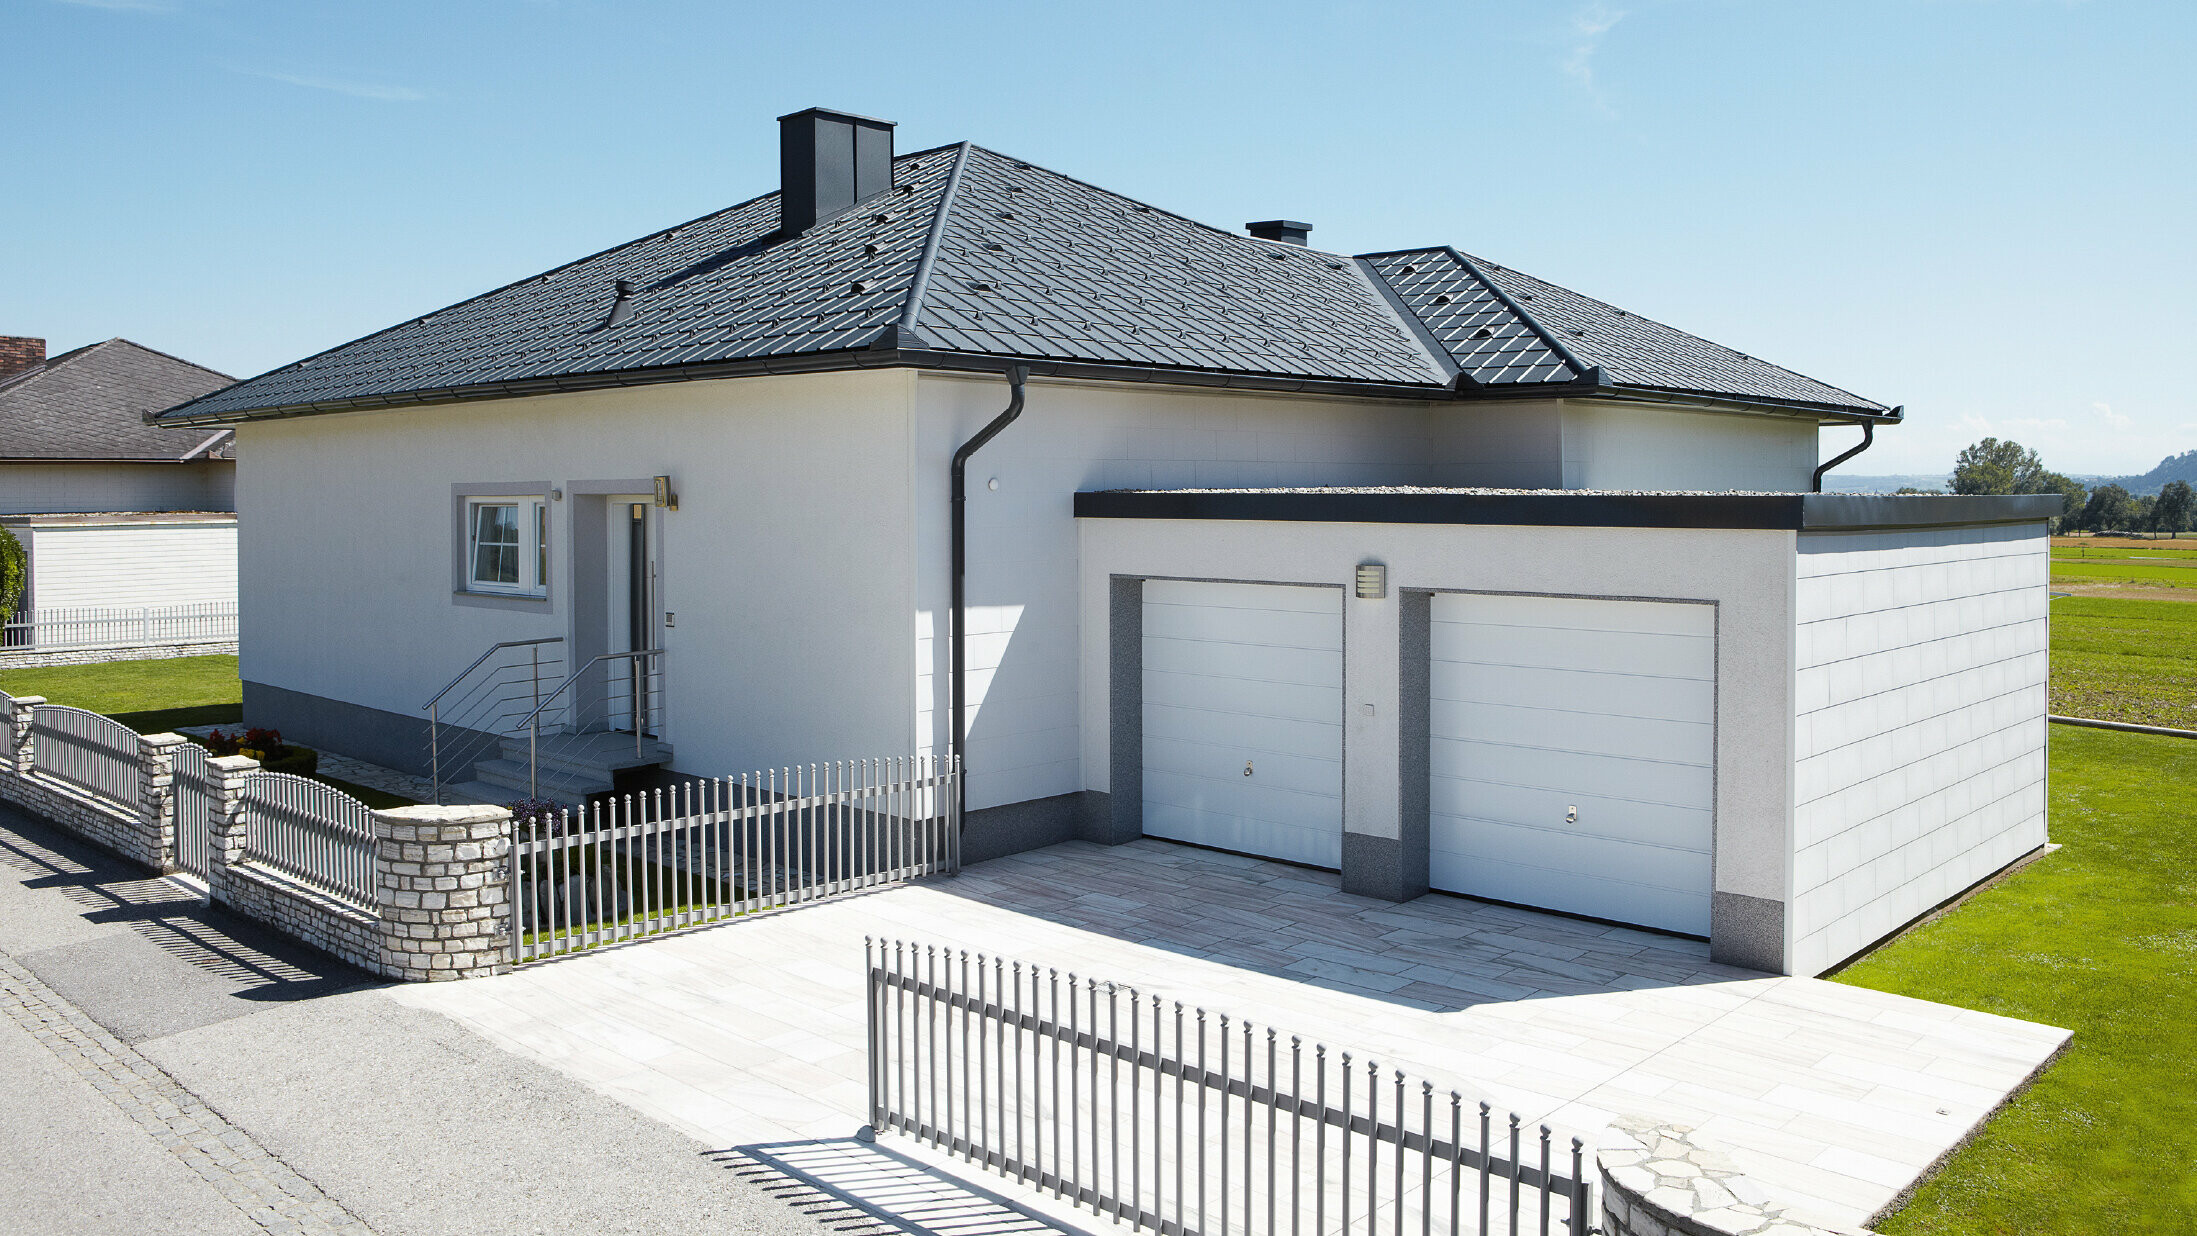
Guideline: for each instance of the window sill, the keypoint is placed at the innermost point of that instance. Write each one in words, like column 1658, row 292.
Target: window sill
column 501, row 600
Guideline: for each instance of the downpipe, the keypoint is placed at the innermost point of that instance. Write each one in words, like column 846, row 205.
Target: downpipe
column 1868, row 436
column 1016, row 378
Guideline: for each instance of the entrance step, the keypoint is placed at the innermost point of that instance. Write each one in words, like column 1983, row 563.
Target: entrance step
column 553, row 783
column 595, row 755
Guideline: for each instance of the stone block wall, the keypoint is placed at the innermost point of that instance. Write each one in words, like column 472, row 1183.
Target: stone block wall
column 143, row 831
column 440, row 908
column 24, row 659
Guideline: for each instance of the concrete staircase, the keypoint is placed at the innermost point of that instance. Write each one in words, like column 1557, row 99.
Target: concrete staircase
column 571, row 767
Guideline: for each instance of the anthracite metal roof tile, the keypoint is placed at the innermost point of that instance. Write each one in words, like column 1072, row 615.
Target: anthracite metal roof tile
column 1028, row 263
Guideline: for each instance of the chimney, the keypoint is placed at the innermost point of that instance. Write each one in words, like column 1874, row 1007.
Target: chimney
column 20, row 352
column 1287, row 231
column 828, row 162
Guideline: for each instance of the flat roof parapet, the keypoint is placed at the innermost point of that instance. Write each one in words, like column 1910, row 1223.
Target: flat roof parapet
column 1569, row 508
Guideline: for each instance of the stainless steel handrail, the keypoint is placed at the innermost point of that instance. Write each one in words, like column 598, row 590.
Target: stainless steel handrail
column 434, row 714
column 533, row 725
column 493, row 649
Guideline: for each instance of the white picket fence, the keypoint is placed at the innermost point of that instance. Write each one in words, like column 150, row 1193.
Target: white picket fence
column 705, row 851
column 80, row 628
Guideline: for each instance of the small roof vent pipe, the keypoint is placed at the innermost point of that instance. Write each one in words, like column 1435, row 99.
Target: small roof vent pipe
column 829, row 162
column 621, row 308
column 1287, row 231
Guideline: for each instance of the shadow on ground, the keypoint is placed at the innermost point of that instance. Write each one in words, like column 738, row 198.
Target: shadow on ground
column 863, row 1187
column 252, row 963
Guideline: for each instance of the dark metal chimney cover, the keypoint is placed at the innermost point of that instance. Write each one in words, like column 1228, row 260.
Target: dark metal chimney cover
column 829, row 162
column 1287, row 231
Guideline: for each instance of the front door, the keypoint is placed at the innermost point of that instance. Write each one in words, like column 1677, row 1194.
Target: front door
column 640, row 613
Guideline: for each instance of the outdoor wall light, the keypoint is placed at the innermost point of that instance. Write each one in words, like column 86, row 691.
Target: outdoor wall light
column 1372, row 581
column 664, row 497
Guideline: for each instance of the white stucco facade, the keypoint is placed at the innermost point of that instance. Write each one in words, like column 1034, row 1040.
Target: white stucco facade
column 787, row 566
column 1741, row 573
column 82, row 487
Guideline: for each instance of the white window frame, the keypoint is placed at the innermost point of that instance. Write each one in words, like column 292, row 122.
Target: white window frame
column 531, row 523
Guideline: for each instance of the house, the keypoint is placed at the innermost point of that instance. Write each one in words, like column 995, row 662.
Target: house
column 129, row 527
column 1406, row 564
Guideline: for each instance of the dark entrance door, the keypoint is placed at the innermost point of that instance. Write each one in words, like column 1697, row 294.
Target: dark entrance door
column 640, row 609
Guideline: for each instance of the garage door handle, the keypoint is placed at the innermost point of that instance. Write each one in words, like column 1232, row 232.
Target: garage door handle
column 1247, row 768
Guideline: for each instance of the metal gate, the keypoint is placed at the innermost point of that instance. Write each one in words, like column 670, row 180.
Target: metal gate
column 197, row 797
column 1185, row 1124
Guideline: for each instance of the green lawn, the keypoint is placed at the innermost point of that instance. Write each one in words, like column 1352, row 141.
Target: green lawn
column 2164, row 551
column 2100, row 937
column 147, row 696
column 154, row 696
column 2121, row 660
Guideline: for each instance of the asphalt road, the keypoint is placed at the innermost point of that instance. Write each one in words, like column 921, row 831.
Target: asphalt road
column 168, row 1069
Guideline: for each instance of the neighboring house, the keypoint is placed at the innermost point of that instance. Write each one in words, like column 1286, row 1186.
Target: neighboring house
column 1407, row 564
column 117, row 515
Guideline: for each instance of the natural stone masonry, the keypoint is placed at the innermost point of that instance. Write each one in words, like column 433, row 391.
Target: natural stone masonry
column 95, row 656
column 440, row 906
column 225, row 1156
column 444, row 904
column 1658, row 1181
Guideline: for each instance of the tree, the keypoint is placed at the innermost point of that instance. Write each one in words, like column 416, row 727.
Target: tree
column 2072, row 496
column 1995, row 467
column 14, row 566
column 2175, row 507
column 2110, row 509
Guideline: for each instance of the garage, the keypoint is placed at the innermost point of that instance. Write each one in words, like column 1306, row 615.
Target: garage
column 1242, row 718
column 1572, row 754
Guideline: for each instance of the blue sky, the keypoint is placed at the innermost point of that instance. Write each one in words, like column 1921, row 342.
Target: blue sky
column 1981, row 210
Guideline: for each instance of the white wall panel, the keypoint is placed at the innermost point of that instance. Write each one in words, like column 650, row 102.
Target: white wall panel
column 1540, row 705
column 1239, row 675
column 133, row 564
column 1921, row 663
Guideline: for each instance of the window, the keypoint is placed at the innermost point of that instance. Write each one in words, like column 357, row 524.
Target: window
column 507, row 546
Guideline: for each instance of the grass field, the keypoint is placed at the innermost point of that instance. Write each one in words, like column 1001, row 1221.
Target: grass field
column 147, row 696
column 154, row 696
column 2123, row 660
column 2100, row 937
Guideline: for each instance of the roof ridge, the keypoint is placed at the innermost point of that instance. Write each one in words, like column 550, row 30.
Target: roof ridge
column 1579, row 368
column 919, row 285
column 1679, row 330
column 1201, row 224
column 171, row 356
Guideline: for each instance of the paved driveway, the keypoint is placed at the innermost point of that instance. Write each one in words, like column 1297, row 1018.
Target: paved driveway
column 752, row 1034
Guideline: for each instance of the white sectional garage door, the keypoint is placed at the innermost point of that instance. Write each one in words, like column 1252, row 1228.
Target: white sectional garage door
column 1545, row 706
column 1243, row 676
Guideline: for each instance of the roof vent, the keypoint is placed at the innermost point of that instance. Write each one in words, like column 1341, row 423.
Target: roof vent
column 827, row 162
column 621, row 308
column 1287, row 231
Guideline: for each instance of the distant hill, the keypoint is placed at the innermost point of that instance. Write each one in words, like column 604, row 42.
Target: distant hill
column 2182, row 467
column 1840, row 483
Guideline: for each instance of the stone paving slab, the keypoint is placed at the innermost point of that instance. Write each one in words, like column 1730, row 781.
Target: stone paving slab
column 752, row 1032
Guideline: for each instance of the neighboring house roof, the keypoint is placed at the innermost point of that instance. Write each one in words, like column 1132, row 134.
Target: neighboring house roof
column 977, row 259
column 89, row 404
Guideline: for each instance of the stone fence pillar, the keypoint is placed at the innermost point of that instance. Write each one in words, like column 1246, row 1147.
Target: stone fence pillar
column 439, row 875
column 156, row 797
column 225, row 846
column 19, row 731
